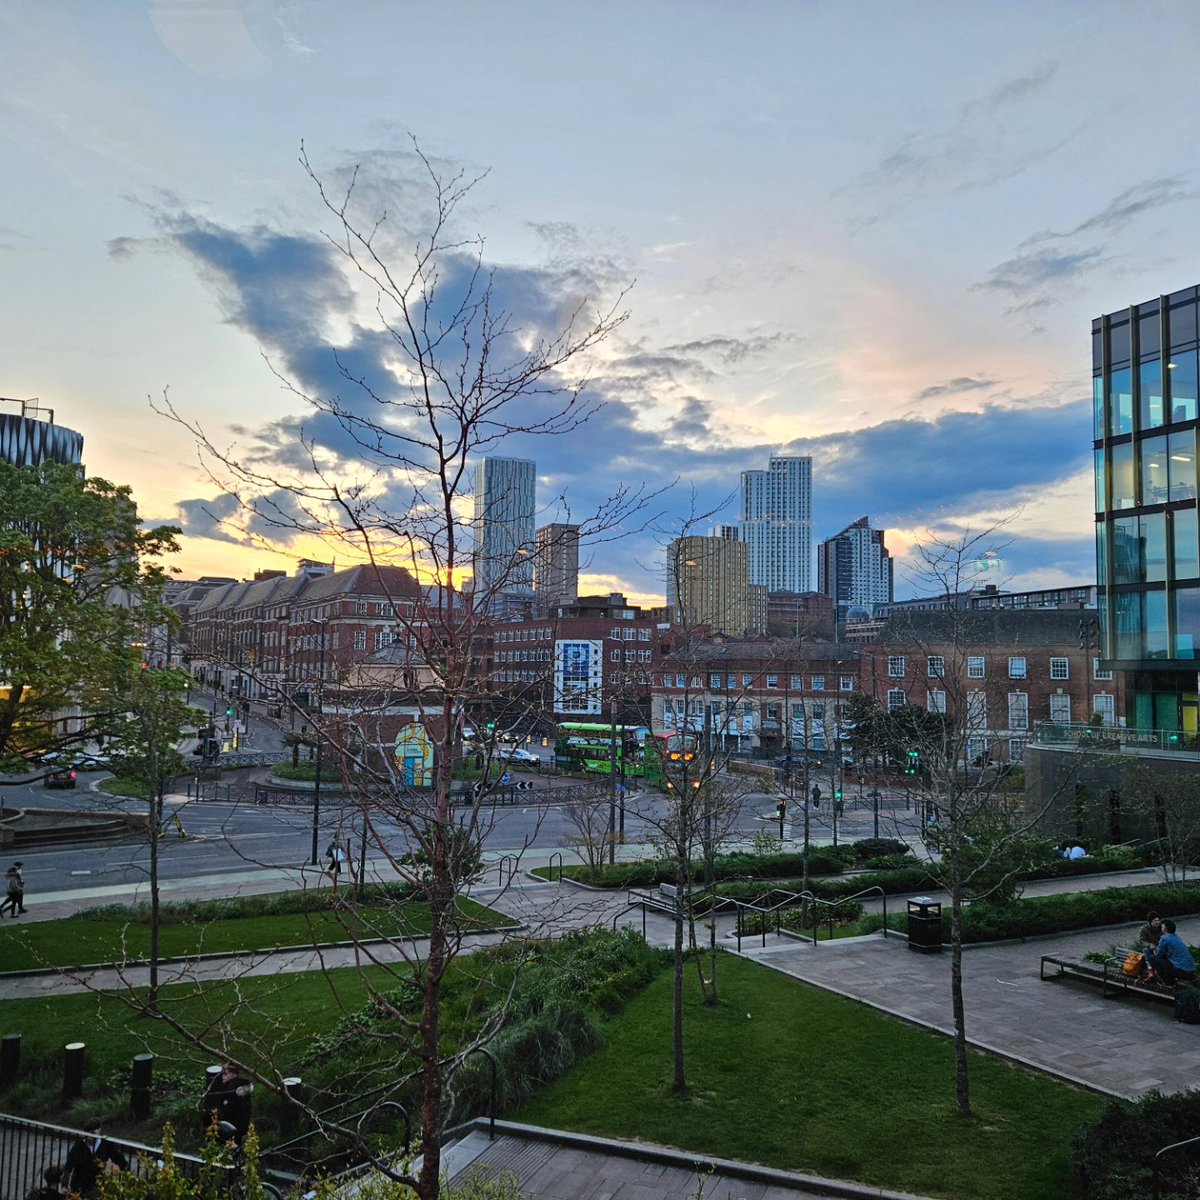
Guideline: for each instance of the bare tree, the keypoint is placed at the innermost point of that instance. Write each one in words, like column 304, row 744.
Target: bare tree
column 464, row 377
column 942, row 721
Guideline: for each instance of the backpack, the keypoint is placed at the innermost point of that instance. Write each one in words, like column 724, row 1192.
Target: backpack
column 12, row 884
column 1187, row 1005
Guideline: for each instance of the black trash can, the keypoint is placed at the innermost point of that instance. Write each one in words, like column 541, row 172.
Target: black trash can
column 925, row 925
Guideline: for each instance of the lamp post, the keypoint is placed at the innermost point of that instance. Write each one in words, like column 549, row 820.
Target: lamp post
column 1089, row 637
column 317, row 732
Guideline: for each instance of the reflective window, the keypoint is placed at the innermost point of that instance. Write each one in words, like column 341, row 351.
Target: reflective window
column 1186, row 622
column 1099, row 454
column 1097, row 350
column 1101, row 557
column 1150, row 398
column 1122, row 476
column 1182, row 385
column 1126, row 550
column 1187, row 544
column 1181, row 452
column 1148, row 332
column 1154, row 547
column 1183, row 324
column 1155, row 481
column 1118, row 343
column 1156, row 625
column 1097, row 408
column 1120, row 400
column 1127, row 613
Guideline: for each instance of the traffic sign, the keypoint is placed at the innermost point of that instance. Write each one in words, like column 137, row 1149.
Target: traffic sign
column 505, row 779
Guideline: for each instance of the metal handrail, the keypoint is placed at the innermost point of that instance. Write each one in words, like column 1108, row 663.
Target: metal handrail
column 511, row 860
column 550, row 866
column 492, row 1107
column 1155, row 1179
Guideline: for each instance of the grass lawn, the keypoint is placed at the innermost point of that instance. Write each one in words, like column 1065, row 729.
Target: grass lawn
column 83, row 940
column 790, row 1076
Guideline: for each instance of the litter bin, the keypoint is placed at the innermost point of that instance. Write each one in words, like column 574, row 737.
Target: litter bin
column 925, row 925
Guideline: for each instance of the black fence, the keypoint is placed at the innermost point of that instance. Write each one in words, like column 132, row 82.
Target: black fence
column 27, row 1148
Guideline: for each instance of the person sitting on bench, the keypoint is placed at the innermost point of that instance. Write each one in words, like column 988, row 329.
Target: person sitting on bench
column 1171, row 959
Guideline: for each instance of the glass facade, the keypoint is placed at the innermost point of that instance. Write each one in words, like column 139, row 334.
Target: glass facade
column 1146, row 384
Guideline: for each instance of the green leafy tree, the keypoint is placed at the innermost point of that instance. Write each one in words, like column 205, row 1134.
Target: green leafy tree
column 72, row 558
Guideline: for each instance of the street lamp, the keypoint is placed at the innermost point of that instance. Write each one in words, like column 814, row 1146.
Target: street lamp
column 317, row 732
column 1089, row 637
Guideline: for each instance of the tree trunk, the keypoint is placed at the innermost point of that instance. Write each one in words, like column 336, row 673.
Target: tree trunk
column 962, row 1083
column 680, row 1082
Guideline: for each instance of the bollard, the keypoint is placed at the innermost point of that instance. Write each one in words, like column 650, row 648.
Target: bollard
column 10, row 1058
column 73, row 1064
column 211, row 1075
column 142, row 1085
column 293, row 1095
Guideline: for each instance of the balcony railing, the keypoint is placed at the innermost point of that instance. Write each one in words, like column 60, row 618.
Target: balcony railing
column 1115, row 739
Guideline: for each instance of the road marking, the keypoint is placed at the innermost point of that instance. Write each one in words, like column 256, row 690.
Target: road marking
column 81, row 872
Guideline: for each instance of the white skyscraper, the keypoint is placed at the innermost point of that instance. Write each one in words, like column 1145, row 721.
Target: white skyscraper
column 776, row 524
column 505, row 499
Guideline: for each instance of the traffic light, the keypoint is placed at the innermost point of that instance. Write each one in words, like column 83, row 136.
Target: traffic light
column 491, row 727
column 229, row 711
column 838, row 795
column 912, row 763
column 781, row 809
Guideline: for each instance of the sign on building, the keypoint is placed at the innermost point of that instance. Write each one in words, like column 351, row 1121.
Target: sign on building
column 578, row 677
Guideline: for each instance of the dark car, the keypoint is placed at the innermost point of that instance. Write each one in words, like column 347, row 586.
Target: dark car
column 797, row 761
column 60, row 779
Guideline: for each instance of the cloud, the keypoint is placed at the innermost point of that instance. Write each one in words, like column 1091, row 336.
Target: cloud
column 964, row 383
column 211, row 518
column 1011, row 91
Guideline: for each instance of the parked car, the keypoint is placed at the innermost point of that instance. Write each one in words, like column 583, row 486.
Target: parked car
column 525, row 758
column 798, row 761
column 60, row 779
column 91, row 762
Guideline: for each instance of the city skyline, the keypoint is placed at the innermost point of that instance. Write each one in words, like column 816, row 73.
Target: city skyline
column 888, row 278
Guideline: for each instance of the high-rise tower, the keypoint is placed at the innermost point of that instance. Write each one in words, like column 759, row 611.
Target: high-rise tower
column 776, row 523
column 505, row 497
column 556, row 565
column 855, row 568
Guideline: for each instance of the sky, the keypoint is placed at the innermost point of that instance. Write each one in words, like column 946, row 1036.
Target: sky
column 870, row 232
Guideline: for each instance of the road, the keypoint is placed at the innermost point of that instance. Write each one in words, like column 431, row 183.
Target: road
column 230, row 834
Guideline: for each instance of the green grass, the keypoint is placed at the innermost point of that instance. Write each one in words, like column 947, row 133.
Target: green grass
column 85, row 939
column 133, row 788
column 790, row 1076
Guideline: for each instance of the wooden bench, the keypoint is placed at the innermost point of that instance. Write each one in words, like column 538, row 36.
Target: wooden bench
column 1112, row 979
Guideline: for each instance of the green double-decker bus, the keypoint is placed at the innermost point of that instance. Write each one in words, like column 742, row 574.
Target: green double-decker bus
column 589, row 746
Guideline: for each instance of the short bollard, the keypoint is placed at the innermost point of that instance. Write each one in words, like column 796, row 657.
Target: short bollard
column 293, row 1095
column 142, row 1085
column 10, row 1058
column 73, row 1064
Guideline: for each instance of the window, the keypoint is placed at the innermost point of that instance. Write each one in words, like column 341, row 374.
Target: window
column 747, row 681
column 977, row 718
column 615, row 634
column 631, row 656
column 797, row 683
column 935, row 666
column 1102, row 703
column 1018, row 710
column 360, row 608
column 614, row 656
column 1097, row 673
column 975, row 668
column 680, row 681
column 666, row 682
column 360, row 639
column 714, row 681
column 846, row 683
column 1017, row 668
column 895, row 698
column 731, row 683
column 1060, row 668
column 643, row 635
column 772, row 681
column 630, row 635
column 1060, row 708
column 937, row 701
column 818, row 683
column 895, row 666
column 1016, row 750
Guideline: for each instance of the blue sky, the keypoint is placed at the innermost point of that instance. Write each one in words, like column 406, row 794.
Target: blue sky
column 870, row 232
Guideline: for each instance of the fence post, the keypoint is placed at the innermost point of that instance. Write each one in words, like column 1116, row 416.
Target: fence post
column 293, row 1095
column 141, row 1085
column 10, row 1058
column 73, row 1064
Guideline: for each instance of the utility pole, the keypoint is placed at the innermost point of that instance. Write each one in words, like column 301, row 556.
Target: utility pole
column 612, row 781
column 316, row 831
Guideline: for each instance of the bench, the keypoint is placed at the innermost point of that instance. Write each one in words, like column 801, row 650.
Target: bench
column 1112, row 979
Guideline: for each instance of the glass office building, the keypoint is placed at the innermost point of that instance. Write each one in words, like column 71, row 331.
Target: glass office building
column 1145, row 376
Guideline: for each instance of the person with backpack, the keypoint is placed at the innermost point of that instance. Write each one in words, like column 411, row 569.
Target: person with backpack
column 1171, row 960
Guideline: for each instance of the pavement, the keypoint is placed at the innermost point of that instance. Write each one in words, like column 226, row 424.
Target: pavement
column 1120, row 1047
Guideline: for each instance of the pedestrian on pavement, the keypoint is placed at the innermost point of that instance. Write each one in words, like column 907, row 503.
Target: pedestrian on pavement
column 336, row 857
column 228, row 1099
column 816, row 795
column 14, row 891
column 51, row 1186
column 87, row 1158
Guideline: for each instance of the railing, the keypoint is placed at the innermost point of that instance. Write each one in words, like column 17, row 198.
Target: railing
column 1114, row 739
column 1156, row 1180
column 27, row 1148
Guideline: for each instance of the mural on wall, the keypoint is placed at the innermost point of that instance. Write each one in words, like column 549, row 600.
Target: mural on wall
column 578, row 676
column 414, row 755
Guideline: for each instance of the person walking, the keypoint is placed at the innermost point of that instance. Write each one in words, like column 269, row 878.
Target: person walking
column 87, row 1158
column 14, row 891
column 336, row 857
column 228, row 1100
